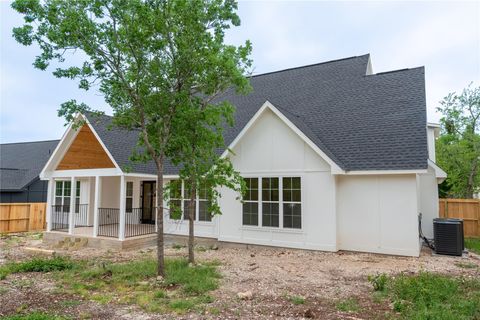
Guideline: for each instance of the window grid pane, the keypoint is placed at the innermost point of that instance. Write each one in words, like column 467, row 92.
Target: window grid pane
column 292, row 208
column 250, row 214
column 203, row 213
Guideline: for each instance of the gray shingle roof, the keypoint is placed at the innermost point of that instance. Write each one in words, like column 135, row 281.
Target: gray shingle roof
column 21, row 163
column 362, row 122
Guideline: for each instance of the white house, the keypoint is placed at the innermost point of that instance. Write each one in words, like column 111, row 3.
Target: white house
column 334, row 157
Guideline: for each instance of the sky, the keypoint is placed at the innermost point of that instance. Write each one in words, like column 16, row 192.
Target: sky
column 442, row 36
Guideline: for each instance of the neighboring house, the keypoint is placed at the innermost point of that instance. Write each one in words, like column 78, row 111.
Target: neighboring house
column 334, row 157
column 20, row 164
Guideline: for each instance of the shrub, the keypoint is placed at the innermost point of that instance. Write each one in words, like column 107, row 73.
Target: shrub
column 378, row 281
column 36, row 265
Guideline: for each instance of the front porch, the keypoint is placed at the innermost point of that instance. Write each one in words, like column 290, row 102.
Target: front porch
column 114, row 207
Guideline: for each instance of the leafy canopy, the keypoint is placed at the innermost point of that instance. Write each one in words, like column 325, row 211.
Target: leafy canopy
column 458, row 148
column 150, row 59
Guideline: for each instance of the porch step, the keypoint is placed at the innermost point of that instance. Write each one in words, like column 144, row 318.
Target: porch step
column 71, row 243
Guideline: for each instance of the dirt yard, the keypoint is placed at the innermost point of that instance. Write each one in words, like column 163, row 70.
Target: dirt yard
column 273, row 277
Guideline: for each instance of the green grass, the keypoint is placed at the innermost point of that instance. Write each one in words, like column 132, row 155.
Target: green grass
column 36, row 265
column 473, row 244
column 33, row 316
column 434, row 296
column 184, row 287
column 297, row 300
column 348, row 305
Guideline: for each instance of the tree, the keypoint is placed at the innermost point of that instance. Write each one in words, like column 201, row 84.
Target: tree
column 195, row 151
column 152, row 60
column 458, row 148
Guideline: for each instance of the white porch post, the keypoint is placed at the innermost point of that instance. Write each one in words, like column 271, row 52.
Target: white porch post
column 121, row 229
column 98, row 187
column 71, row 218
column 50, row 202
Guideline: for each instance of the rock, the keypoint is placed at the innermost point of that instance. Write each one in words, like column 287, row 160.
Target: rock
column 214, row 247
column 39, row 251
column 159, row 278
column 247, row 295
column 142, row 283
column 252, row 255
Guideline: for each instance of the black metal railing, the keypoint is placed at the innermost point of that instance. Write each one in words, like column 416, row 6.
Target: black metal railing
column 81, row 215
column 108, row 222
column 140, row 221
column 60, row 217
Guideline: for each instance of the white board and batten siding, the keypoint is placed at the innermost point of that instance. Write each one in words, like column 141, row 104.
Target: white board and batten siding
column 371, row 213
column 271, row 149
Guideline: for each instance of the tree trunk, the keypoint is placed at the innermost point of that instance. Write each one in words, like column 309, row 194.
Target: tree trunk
column 160, row 241
column 191, row 224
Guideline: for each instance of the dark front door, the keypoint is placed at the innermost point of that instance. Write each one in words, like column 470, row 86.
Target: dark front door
column 148, row 202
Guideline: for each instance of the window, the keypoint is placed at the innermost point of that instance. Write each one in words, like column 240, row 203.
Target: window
column 250, row 204
column 62, row 195
column 129, row 197
column 175, row 197
column 180, row 194
column 292, row 203
column 280, row 203
column 270, row 202
column 203, row 204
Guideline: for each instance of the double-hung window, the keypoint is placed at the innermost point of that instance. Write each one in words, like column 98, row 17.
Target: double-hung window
column 204, row 213
column 62, row 195
column 129, row 197
column 270, row 202
column 292, row 203
column 175, row 197
column 250, row 202
column 180, row 200
column 278, row 206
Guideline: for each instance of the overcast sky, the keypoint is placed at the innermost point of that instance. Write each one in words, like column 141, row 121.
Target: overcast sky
column 442, row 36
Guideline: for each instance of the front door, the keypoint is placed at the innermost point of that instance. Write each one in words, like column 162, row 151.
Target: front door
column 148, row 202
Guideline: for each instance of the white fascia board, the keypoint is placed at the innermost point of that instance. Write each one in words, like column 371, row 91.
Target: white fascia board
column 439, row 173
column 151, row 176
column 65, row 142
column 84, row 173
column 335, row 169
column 381, row 172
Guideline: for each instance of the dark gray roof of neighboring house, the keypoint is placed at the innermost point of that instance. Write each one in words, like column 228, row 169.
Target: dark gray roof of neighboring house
column 361, row 121
column 21, row 163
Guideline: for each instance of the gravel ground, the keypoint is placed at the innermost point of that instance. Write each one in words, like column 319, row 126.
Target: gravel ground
column 272, row 275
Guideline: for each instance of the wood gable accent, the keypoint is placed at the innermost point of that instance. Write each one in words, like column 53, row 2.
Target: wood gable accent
column 85, row 153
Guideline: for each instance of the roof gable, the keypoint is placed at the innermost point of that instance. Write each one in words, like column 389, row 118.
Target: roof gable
column 360, row 121
column 85, row 152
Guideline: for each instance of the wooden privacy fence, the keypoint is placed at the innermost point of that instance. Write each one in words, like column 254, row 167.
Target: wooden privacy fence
column 466, row 209
column 20, row 217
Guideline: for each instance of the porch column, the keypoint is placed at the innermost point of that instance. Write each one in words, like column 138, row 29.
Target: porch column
column 121, row 229
column 50, row 202
column 71, row 217
column 96, row 205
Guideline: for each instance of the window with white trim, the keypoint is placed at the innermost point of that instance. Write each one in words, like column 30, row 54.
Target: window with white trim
column 63, row 192
column 273, row 202
column 129, row 197
column 250, row 203
column 292, row 202
column 180, row 194
column 175, row 197
column 270, row 203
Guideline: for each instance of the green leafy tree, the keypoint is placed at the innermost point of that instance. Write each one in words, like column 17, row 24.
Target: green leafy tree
column 195, row 151
column 458, row 148
column 152, row 60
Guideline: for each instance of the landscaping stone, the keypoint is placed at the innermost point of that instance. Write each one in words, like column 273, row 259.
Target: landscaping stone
column 247, row 295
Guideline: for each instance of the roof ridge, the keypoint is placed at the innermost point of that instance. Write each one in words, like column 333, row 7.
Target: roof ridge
column 308, row 65
column 393, row 71
column 23, row 142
